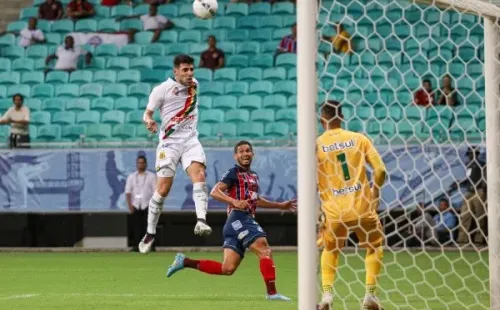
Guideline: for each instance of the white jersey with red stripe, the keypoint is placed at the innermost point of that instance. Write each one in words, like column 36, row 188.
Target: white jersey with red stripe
column 178, row 109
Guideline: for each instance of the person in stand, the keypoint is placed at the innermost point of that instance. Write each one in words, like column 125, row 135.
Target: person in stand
column 18, row 117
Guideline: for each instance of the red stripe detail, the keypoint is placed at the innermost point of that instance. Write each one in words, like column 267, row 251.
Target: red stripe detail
column 187, row 105
column 241, row 185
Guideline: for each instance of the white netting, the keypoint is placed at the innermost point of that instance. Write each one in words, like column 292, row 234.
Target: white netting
column 394, row 46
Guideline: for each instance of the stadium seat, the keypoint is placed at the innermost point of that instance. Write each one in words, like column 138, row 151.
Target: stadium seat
column 261, row 61
column 143, row 132
column 250, row 74
column 236, row 88
column 204, row 102
column 130, row 50
column 102, row 104
column 262, row 115
column 78, row 76
column 237, row 116
column 197, row 48
column 99, row 131
column 113, row 117
column 261, row 88
column 106, row 50
column 13, row 52
column 169, row 10
column 104, row 76
column 285, row 87
column 274, row 74
column 102, row 11
column 139, row 90
column 16, row 26
column 24, row 90
column 248, row 22
column 34, row 104
column 237, row 9
column 28, row 13
column 272, row 21
column 200, row 24
column 134, row 117
column 115, row 90
column 49, row 132
column 64, row 118
column 53, row 105
column 7, row 39
column 91, row 90
column 286, row 115
column 155, row 49
column 228, row 130
column 163, row 62
column 275, row 102
column 108, row 25
column 204, row 74
column 225, row 22
column 212, row 88
column 286, row 60
column 165, row 37
column 225, row 75
column 237, row 35
column 6, row 65
column 43, row 91
column 155, row 76
column 262, row 36
column 204, row 131
column 277, row 130
column 128, row 76
column 229, row 48
column 78, row 104
column 126, row 104
column 248, row 48
column 124, row 131
column 10, row 78
column 98, row 63
column 219, row 34
column 5, row 104
column 259, row 8
column 32, row 78
column 176, row 48
column 3, row 91
column 62, row 26
column 61, row 77
column 414, row 113
column 181, row 23
column 73, row 132
column 225, row 103
column 117, row 63
column 251, row 130
column 86, row 25
column 40, row 118
column 190, row 36
column 88, row 117
column 121, row 10
column 212, row 116
column 36, row 51
column 250, row 102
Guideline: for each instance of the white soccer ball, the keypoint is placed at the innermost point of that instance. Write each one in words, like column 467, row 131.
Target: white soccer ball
column 205, row 9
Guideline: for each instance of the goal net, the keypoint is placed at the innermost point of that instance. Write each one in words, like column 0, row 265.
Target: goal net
column 411, row 77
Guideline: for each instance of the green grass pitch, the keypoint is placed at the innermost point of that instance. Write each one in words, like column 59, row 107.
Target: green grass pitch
column 133, row 281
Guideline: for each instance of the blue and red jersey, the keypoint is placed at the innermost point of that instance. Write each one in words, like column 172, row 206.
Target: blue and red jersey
column 242, row 184
column 289, row 44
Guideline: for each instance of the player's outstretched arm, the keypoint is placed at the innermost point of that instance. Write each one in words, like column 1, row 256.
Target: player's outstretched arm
column 219, row 193
column 286, row 205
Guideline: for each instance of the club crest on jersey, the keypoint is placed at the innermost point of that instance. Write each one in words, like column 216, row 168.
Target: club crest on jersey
column 161, row 155
column 175, row 91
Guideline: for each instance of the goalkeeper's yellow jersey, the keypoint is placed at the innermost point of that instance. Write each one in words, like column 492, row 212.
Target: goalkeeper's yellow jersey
column 342, row 180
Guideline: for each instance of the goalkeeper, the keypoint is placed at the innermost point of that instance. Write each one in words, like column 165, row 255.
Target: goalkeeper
column 347, row 201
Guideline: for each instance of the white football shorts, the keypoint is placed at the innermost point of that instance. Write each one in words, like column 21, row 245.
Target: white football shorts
column 170, row 153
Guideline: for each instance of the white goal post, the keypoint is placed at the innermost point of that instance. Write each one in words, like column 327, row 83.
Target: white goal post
column 307, row 132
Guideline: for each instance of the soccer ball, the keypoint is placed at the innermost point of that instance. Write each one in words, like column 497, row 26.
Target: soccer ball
column 205, row 9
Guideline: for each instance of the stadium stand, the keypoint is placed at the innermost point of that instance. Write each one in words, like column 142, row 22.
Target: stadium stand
column 250, row 97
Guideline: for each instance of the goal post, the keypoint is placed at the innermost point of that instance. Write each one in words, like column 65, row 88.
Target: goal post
column 321, row 74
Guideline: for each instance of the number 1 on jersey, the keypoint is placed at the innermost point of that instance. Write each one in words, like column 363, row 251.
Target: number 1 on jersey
column 345, row 169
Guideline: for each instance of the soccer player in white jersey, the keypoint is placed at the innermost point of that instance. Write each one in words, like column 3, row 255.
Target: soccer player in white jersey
column 177, row 101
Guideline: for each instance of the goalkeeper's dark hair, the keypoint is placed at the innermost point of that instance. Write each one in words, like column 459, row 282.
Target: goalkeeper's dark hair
column 242, row 142
column 183, row 59
column 331, row 109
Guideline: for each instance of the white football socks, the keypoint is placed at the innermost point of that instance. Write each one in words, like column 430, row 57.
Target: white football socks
column 200, row 197
column 155, row 208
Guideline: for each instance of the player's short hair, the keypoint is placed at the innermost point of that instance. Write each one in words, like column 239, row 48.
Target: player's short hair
column 142, row 157
column 18, row 95
column 426, row 81
column 331, row 109
column 242, row 142
column 212, row 37
column 444, row 200
column 183, row 59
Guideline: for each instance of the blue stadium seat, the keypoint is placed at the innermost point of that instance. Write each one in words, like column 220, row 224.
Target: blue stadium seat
column 261, row 88
column 204, row 74
column 275, row 102
column 117, row 63
column 225, row 75
column 49, row 132
column 78, row 76
column 237, row 116
column 283, row 8
column 124, row 131
column 163, row 62
column 200, row 24
column 225, row 22
column 16, row 26
column 106, row 50
column 102, row 104
column 99, row 131
column 181, row 23
column 32, row 78
column 6, row 65
column 250, row 102
column 176, row 48
column 7, row 39
column 10, row 78
column 28, row 13
column 277, row 130
column 13, row 52
column 190, row 36
column 238, row 35
column 212, row 116
column 237, row 9
column 53, row 105
column 135, row 117
column 64, row 118
column 113, row 117
column 166, row 37
column 62, row 26
column 274, row 74
column 115, row 90
column 43, row 91
column 131, row 50
column 272, row 21
column 35, row 104
column 263, row 35
column 128, row 76
column 225, row 103
column 154, row 49
column 236, row 88
column 155, row 76
column 139, row 90
column 227, row 130
column 262, row 115
column 251, row 130
column 102, row 12
column 249, row 48
column 261, row 61
column 248, row 22
column 126, row 104
column 77, row 104
column 204, row 102
column 104, row 76
column 204, row 131
column 24, row 90
column 145, row 62
column 121, row 10
column 108, row 25
column 197, row 48
column 91, row 90
column 250, row 74
column 40, row 118
column 86, row 25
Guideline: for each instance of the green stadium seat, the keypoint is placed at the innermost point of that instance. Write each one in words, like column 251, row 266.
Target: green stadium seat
column 204, row 130
column 220, row 34
column 277, row 130
column 73, row 132
column 287, row 60
column 113, row 117
column 251, row 130
column 229, row 48
column 287, row 115
column 274, row 74
column 155, row 76
column 237, row 116
column 197, row 48
column 124, row 131
column 237, row 9
column 6, row 65
column 24, row 90
column 204, row 74
column 86, row 25
column 43, row 91
column 60, row 77
column 185, row 10
column 442, row 114
column 283, row 8
column 176, row 48
column 406, row 129
column 134, row 117
column 237, row 61
column 16, row 26
column 98, row 63
column 77, row 104
column 128, row 76
column 13, row 51
column 7, row 39
column 115, row 90
column 130, row 50
column 212, row 88
column 181, row 23
column 144, row 37
column 31, row 78
column 212, row 116
column 117, row 63
column 53, row 105
column 261, row 88
column 414, row 113
column 154, row 49
column 99, row 131
column 49, row 132
column 109, row 25
column 34, row 104
column 248, row 48
column 106, row 50
column 169, row 10
column 364, row 112
column 28, row 13
column 187, row 36
column 3, row 91
column 10, row 78
column 142, row 131
column 127, row 104
column 104, row 76
column 225, row 75
column 262, row 36
column 62, row 26
column 143, row 103
column 204, row 103
column 139, row 90
column 91, row 90
column 250, row 74
column 102, row 104
column 227, row 130
column 237, row 35
column 261, row 61
column 166, row 37
column 224, row 103
column 259, row 8
column 271, row 22
column 248, row 22
column 236, row 88
column 39, row 118
column 64, row 118
column 102, row 12
column 250, row 102
column 474, row 70
column 131, row 24
column 5, row 132
column 5, row 104
column 262, row 115
column 200, row 24
column 285, row 87
column 88, row 117
column 78, row 76
column 225, row 22
column 292, row 102
column 275, row 102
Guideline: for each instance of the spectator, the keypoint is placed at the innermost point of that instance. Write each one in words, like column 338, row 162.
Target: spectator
column 474, row 205
column 425, row 95
column 448, row 95
column 78, row 9
column 152, row 21
column 212, row 58
column 445, row 221
column 139, row 189
column 288, row 44
column 50, row 10
column 342, row 41
column 116, row 2
column 18, row 117
column 31, row 35
column 422, row 223
column 67, row 55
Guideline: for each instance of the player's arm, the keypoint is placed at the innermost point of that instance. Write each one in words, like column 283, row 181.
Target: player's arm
column 220, row 189
column 154, row 102
column 374, row 159
column 266, row 204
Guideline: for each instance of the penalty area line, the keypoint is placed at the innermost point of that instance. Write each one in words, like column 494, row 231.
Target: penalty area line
column 22, row 296
column 111, row 295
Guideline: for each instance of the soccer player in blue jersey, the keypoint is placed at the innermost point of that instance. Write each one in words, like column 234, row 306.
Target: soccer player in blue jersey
column 238, row 188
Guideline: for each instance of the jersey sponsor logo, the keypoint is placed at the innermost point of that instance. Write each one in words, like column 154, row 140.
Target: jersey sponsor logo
column 178, row 119
column 236, row 225
column 158, row 168
column 346, row 190
column 338, row 146
column 242, row 234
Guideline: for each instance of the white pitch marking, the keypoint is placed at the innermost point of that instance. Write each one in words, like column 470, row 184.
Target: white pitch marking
column 19, row 296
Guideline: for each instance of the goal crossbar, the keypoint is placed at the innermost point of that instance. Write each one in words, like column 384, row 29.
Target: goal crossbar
column 475, row 7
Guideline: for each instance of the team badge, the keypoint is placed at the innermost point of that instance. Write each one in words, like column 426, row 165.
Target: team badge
column 161, row 155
